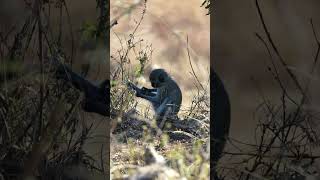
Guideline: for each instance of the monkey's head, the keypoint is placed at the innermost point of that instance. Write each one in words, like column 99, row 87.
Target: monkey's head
column 158, row 77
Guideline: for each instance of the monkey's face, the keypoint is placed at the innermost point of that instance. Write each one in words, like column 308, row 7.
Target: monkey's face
column 158, row 77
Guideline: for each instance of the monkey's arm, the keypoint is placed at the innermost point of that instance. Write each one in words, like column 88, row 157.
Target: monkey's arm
column 96, row 98
column 152, row 97
column 148, row 91
column 143, row 92
column 65, row 73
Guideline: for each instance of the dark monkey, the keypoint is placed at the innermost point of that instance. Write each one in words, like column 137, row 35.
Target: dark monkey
column 165, row 96
column 221, row 120
column 97, row 98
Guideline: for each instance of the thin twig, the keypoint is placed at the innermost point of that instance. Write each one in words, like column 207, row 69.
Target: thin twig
column 194, row 74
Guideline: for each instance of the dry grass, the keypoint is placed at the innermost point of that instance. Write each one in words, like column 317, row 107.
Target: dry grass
column 43, row 130
column 182, row 142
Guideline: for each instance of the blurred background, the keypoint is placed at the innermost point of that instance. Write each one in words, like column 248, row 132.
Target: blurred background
column 239, row 56
column 78, row 47
column 166, row 26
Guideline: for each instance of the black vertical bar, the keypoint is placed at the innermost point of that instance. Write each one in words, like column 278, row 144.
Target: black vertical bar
column 220, row 109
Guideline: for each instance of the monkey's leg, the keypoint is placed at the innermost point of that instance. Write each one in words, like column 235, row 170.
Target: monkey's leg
column 164, row 111
column 163, row 108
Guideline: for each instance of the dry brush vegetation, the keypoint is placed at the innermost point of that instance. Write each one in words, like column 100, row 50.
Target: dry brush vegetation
column 180, row 149
column 43, row 130
column 286, row 145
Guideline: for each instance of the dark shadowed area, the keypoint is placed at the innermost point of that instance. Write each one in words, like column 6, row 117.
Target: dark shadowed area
column 242, row 60
column 78, row 49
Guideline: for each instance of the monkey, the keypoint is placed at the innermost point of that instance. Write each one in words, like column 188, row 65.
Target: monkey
column 97, row 98
column 165, row 96
column 221, row 117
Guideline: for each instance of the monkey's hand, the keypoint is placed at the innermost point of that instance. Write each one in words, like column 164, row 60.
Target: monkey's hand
column 141, row 92
column 133, row 87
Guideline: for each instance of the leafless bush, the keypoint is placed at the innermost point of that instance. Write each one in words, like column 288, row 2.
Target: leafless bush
column 41, row 130
column 182, row 141
column 285, row 138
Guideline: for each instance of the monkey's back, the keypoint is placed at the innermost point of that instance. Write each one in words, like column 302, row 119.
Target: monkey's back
column 172, row 91
column 221, row 119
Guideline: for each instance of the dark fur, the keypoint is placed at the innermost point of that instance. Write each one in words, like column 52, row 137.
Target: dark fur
column 168, row 95
column 97, row 98
column 221, row 117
